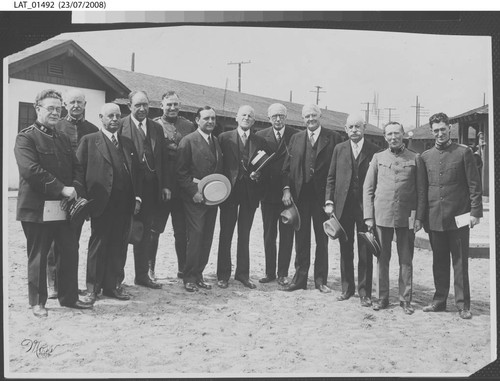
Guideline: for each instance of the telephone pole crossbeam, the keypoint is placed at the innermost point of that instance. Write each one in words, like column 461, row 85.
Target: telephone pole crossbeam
column 317, row 91
column 239, row 71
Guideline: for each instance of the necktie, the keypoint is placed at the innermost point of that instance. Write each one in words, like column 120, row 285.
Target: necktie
column 211, row 143
column 355, row 150
column 311, row 138
column 115, row 142
column 278, row 135
column 141, row 131
column 244, row 138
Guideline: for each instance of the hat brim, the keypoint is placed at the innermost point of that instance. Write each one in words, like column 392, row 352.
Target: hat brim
column 294, row 211
column 136, row 232
column 371, row 243
column 333, row 220
column 213, row 184
column 79, row 211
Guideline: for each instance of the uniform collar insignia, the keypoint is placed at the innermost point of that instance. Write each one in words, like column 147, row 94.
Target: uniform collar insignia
column 397, row 150
column 44, row 129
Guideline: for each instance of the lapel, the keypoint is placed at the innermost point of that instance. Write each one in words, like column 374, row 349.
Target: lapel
column 101, row 147
column 233, row 141
column 252, row 147
column 348, row 156
column 363, row 152
column 127, row 153
column 126, row 129
column 152, row 133
column 322, row 140
column 271, row 138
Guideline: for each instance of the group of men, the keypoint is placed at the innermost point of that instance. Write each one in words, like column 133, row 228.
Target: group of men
column 137, row 172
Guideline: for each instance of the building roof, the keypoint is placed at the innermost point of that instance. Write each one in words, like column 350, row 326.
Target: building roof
column 53, row 48
column 424, row 131
column 225, row 102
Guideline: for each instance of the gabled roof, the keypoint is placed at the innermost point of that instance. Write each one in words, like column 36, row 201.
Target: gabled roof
column 52, row 48
column 225, row 102
column 472, row 114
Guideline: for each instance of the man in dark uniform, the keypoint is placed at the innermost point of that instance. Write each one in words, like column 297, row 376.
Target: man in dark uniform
column 48, row 170
column 277, row 138
column 175, row 127
column 74, row 126
column 453, row 190
column 151, row 147
column 199, row 155
column 113, row 181
column 239, row 146
column 304, row 181
column 344, row 197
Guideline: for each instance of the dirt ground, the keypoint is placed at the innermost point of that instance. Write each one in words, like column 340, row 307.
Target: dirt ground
column 238, row 331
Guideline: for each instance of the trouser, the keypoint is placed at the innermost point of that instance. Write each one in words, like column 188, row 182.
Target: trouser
column 200, row 223
column 405, row 239
column 443, row 243
column 352, row 216
column 272, row 221
column 174, row 208
column 39, row 238
column 310, row 208
column 236, row 209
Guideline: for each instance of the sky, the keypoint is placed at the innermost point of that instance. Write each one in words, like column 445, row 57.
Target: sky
column 449, row 74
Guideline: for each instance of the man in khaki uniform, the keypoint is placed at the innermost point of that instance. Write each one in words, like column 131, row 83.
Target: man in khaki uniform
column 393, row 200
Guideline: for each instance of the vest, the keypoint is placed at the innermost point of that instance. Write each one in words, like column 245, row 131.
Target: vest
column 310, row 159
column 122, row 185
column 244, row 156
column 355, row 192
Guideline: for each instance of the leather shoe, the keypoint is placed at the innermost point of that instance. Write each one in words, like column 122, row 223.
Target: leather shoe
column 283, row 281
column 190, row 287
column 267, row 279
column 365, row 301
column 344, row 296
column 247, row 283
column 81, row 305
column 380, row 304
column 223, row 283
column 294, row 287
column 434, row 308
column 324, row 288
column 117, row 293
column 91, row 297
column 147, row 283
column 465, row 314
column 39, row 310
column 202, row 284
column 407, row 307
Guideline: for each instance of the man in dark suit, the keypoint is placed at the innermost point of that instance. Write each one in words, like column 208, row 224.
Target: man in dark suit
column 175, row 127
column 198, row 155
column 277, row 138
column 453, row 189
column 149, row 141
column 344, row 197
column 113, row 181
column 74, row 126
column 239, row 146
column 48, row 171
column 304, row 180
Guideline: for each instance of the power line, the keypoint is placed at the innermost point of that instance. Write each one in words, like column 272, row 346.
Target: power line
column 390, row 109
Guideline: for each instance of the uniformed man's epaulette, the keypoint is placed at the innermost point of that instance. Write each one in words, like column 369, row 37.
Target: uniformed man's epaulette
column 427, row 150
column 409, row 149
column 463, row 145
column 381, row 150
column 27, row 129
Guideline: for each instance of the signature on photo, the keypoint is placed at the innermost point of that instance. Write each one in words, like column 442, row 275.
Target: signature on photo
column 39, row 348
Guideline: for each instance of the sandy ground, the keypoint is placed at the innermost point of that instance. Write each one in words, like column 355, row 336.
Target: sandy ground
column 238, row 331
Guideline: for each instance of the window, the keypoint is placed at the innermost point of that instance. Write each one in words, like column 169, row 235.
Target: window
column 27, row 115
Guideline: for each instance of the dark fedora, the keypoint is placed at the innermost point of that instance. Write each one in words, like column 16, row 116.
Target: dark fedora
column 260, row 160
column 79, row 210
column 291, row 216
column 136, row 232
column 334, row 229
column 215, row 188
column 371, row 243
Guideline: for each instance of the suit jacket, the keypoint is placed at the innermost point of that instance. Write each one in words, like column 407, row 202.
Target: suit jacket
column 231, row 157
column 83, row 128
column 293, row 167
column 46, row 164
column 194, row 161
column 393, row 188
column 273, row 189
column 160, row 153
column 340, row 172
column 453, row 186
column 95, row 158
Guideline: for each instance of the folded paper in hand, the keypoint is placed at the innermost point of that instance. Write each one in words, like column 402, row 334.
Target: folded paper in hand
column 52, row 211
column 462, row 220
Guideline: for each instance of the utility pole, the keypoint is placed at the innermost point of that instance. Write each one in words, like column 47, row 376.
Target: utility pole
column 484, row 99
column 417, row 113
column 239, row 71
column 367, row 111
column 378, row 118
column 317, row 91
column 390, row 108
column 132, row 66
column 290, row 96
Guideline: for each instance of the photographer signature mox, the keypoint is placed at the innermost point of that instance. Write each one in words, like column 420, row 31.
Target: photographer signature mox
column 39, row 348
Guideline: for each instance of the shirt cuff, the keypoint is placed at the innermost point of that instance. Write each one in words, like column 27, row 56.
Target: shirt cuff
column 138, row 199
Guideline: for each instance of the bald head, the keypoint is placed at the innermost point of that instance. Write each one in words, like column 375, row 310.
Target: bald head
column 74, row 101
column 355, row 127
column 110, row 117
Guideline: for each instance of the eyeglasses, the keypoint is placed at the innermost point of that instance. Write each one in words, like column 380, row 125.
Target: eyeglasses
column 275, row 117
column 51, row 109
